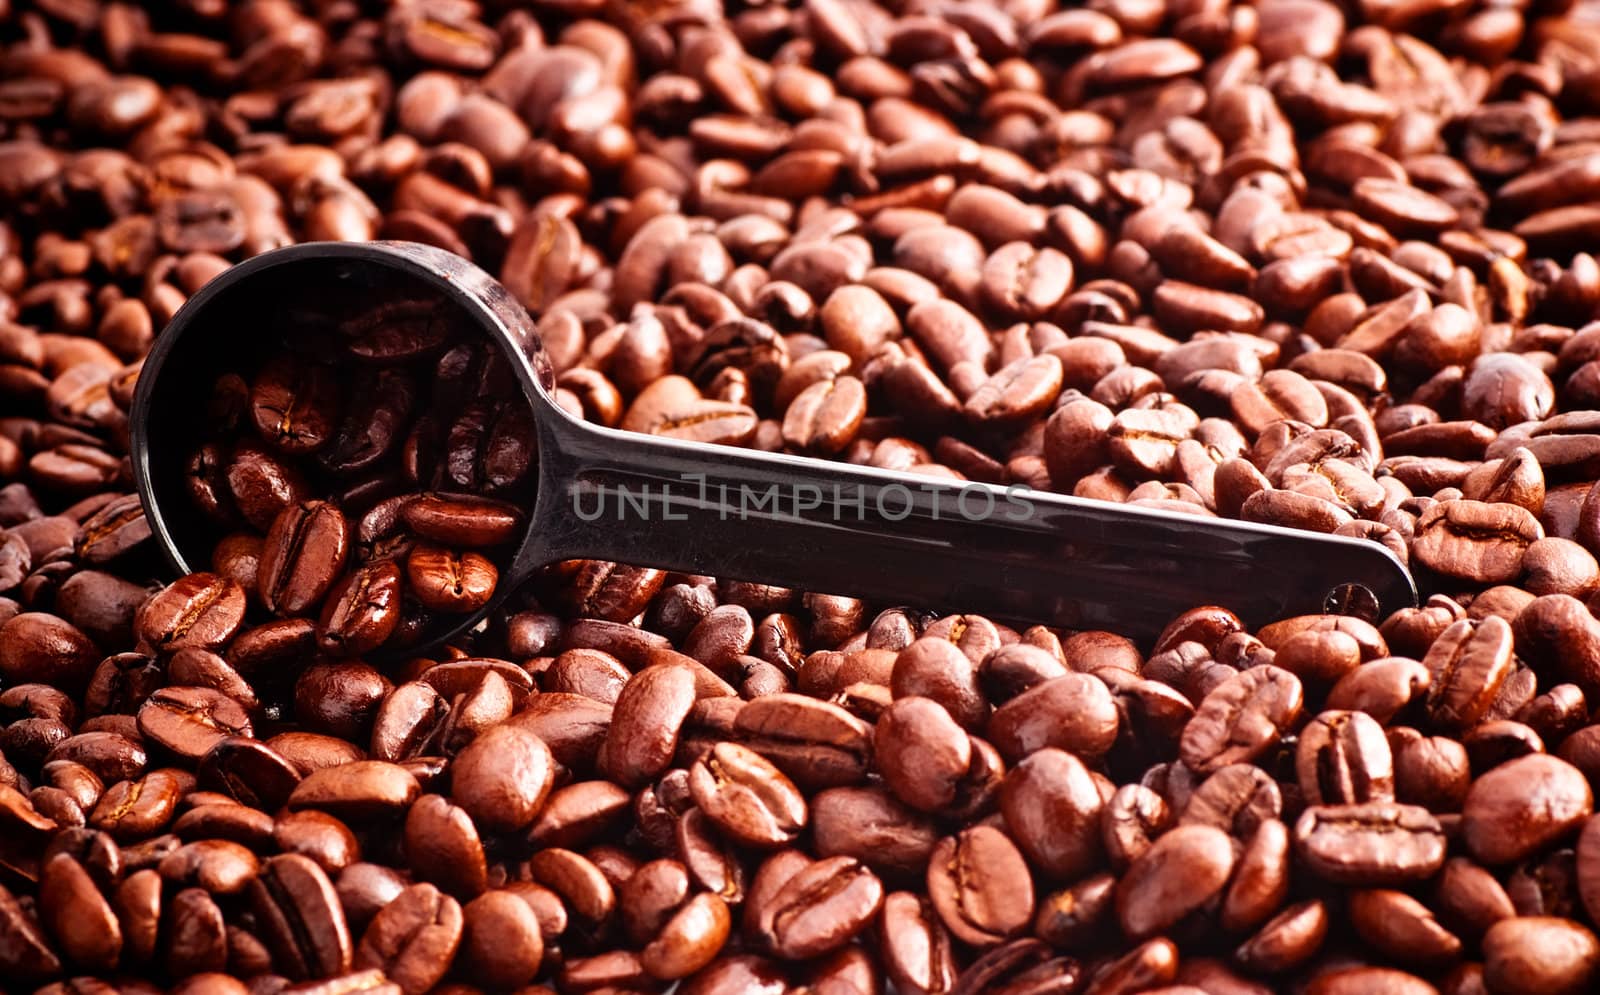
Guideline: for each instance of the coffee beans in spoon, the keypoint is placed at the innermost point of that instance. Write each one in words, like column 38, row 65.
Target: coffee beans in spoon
column 383, row 459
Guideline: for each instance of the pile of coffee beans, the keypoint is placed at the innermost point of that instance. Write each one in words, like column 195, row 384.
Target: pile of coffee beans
column 1305, row 262
column 312, row 460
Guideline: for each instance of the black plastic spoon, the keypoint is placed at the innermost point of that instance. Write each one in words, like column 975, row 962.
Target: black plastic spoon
column 892, row 538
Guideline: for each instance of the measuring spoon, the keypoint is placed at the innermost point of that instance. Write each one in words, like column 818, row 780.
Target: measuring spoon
column 891, row 538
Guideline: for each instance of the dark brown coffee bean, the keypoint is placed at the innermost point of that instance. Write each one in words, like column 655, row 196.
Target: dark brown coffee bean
column 413, row 938
column 407, row 720
column 462, row 521
column 29, row 952
column 1178, row 874
column 250, row 771
column 819, row 908
column 356, row 790
column 113, row 531
column 301, row 917
column 1402, row 927
column 582, row 887
column 303, row 555
column 689, row 940
column 1375, row 843
column 1053, row 811
column 1241, row 718
column 1349, row 980
column 39, row 648
column 1020, row 391
column 503, row 777
column 747, row 797
column 201, row 610
column 501, row 939
column 916, row 947
column 1540, row 954
column 870, row 825
column 923, row 755
column 442, row 846
column 825, row 417
column 646, row 722
column 1473, row 541
column 134, row 810
column 1261, row 881
column 817, row 744
column 190, row 721
column 979, row 883
column 256, row 481
column 1468, row 664
column 294, row 405
column 1343, row 758
column 77, row 915
column 1522, row 806
column 1289, row 939
column 446, row 581
column 579, row 812
column 1074, row 712
column 711, row 421
column 361, row 611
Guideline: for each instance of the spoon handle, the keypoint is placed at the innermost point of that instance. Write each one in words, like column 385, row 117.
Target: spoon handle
column 903, row 539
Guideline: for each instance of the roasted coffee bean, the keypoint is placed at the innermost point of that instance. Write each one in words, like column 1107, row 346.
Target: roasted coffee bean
column 1053, row 809
column 688, row 941
column 1468, row 665
column 1475, row 542
column 979, row 883
column 924, row 756
column 819, row 908
column 304, row 553
column 501, row 939
column 747, row 797
column 354, row 789
column 201, row 610
column 815, row 743
column 503, row 777
column 938, row 669
column 825, row 417
column 1402, row 927
column 413, row 939
column 1180, row 872
column 250, row 771
column 446, row 581
column 1074, row 712
column 1241, row 718
column 135, row 810
column 114, row 531
column 31, row 954
column 461, row 521
column 362, row 611
column 1540, row 954
column 1261, row 879
column 1080, row 915
column 1374, row 843
column 40, row 648
column 190, row 721
column 443, row 846
column 301, row 917
column 1523, row 805
column 579, row 812
column 1343, row 758
column 646, row 722
column 869, row 824
column 916, row 948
